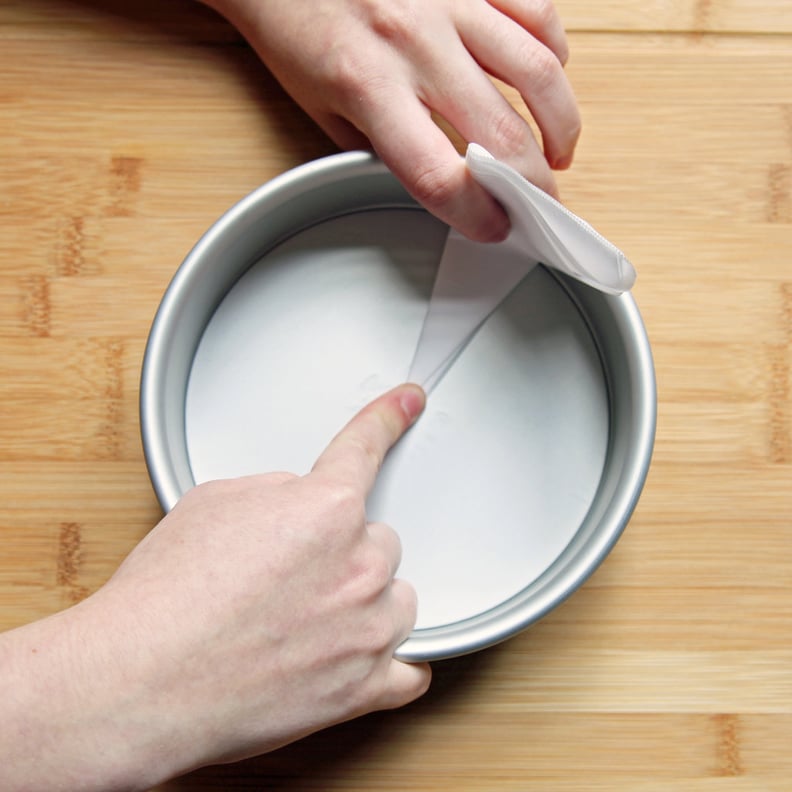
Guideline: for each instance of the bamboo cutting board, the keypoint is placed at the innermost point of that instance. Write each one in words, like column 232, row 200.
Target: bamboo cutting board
column 125, row 133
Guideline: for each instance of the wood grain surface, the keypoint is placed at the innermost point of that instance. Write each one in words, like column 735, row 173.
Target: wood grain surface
column 124, row 132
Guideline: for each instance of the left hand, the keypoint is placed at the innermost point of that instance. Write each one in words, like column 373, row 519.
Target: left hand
column 372, row 73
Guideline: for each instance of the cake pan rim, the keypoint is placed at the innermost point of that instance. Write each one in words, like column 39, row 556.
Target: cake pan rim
column 430, row 643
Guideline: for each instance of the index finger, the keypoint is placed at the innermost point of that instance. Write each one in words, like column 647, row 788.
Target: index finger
column 356, row 453
column 423, row 158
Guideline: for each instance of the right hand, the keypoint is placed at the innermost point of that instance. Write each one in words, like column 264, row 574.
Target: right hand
column 259, row 610
column 268, row 603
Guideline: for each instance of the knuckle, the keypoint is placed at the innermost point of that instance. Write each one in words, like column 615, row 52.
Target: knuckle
column 572, row 134
column 345, row 502
column 356, row 75
column 544, row 12
column 378, row 635
column 550, row 29
column 279, row 477
column 574, row 128
column 394, row 541
column 369, row 577
column 379, row 572
column 408, row 598
column 366, row 447
column 353, row 78
column 432, row 186
column 383, row 638
column 374, row 575
column 347, row 73
column 542, row 67
column 396, row 23
column 510, row 133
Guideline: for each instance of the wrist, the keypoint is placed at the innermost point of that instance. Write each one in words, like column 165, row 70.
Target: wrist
column 76, row 713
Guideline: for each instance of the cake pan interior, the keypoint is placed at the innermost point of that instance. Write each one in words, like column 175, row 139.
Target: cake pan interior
column 306, row 300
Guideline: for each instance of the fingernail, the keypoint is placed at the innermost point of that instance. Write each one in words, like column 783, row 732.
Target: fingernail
column 412, row 401
column 562, row 163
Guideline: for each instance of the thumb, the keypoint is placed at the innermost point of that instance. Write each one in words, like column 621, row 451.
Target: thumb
column 356, row 453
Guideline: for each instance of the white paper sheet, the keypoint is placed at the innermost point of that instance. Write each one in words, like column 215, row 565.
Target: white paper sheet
column 473, row 278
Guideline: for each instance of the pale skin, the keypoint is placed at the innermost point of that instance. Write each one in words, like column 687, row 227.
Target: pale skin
column 265, row 608
column 259, row 610
column 373, row 73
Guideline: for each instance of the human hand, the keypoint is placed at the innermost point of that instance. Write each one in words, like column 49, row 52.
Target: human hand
column 373, row 72
column 259, row 610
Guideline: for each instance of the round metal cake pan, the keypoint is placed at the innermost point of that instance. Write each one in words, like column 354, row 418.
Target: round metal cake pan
column 342, row 188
